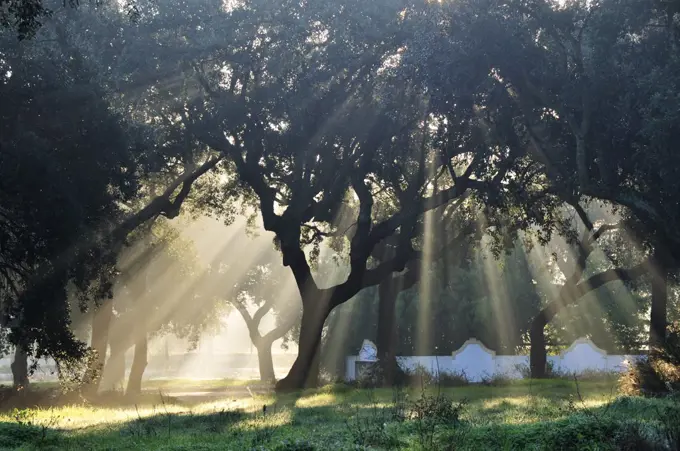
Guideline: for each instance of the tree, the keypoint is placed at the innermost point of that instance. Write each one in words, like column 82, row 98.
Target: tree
column 591, row 87
column 155, row 171
column 55, row 191
column 578, row 283
column 174, row 163
column 261, row 288
column 478, row 296
column 157, row 292
column 307, row 126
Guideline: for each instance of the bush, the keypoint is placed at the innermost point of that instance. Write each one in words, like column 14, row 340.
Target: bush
column 452, row 379
column 639, row 436
column 597, row 376
column 525, row 370
column 419, row 376
column 497, row 380
column 374, row 375
column 428, row 413
column 659, row 373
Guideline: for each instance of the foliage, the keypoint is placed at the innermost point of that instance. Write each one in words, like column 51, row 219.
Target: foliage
column 155, row 290
column 590, row 88
column 351, row 126
column 56, row 194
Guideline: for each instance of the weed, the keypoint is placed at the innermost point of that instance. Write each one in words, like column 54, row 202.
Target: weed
column 371, row 428
column 452, row 379
column 28, row 417
column 497, row 380
column 432, row 411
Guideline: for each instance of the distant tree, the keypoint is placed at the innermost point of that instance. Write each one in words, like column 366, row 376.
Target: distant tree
column 160, row 290
column 261, row 288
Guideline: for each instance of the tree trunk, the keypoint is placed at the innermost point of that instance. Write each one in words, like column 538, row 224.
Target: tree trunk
column 570, row 294
column 101, row 321
column 658, row 315
column 20, row 368
column 387, row 330
column 538, row 354
column 114, row 370
column 265, row 361
column 139, row 363
column 301, row 374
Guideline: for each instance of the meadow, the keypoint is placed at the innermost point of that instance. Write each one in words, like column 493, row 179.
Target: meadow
column 216, row 415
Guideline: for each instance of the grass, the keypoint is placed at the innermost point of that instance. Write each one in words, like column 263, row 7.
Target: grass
column 548, row 414
column 198, row 384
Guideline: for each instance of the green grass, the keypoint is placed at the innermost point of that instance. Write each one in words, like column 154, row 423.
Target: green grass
column 547, row 415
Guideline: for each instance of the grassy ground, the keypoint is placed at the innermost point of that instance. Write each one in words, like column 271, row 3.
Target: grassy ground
column 525, row 415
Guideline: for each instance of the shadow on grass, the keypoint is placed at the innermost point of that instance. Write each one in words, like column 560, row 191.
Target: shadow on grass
column 321, row 418
column 161, row 431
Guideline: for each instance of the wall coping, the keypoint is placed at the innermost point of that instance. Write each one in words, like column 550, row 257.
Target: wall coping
column 473, row 341
column 583, row 341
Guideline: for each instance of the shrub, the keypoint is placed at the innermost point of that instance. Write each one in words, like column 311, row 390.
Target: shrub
column 659, row 373
column 497, row 380
column 430, row 412
column 452, row 379
column 639, row 436
column 597, row 376
column 374, row 375
column 419, row 376
column 550, row 371
column 372, row 426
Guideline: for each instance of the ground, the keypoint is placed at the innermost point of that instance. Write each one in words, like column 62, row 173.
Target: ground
column 221, row 415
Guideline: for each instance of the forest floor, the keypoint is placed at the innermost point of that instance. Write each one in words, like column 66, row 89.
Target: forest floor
column 547, row 414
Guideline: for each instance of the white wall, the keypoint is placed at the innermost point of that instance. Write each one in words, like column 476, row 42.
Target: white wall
column 477, row 362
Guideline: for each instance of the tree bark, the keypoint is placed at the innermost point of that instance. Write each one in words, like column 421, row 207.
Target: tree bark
column 538, row 353
column 101, row 322
column 139, row 363
column 265, row 361
column 387, row 330
column 114, row 370
column 658, row 314
column 263, row 344
column 19, row 368
column 311, row 327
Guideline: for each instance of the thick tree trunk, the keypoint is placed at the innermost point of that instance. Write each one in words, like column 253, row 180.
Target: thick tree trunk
column 114, row 370
column 139, row 363
column 658, row 314
column 538, row 354
column 265, row 361
column 19, row 368
column 387, row 330
column 101, row 322
column 301, row 374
